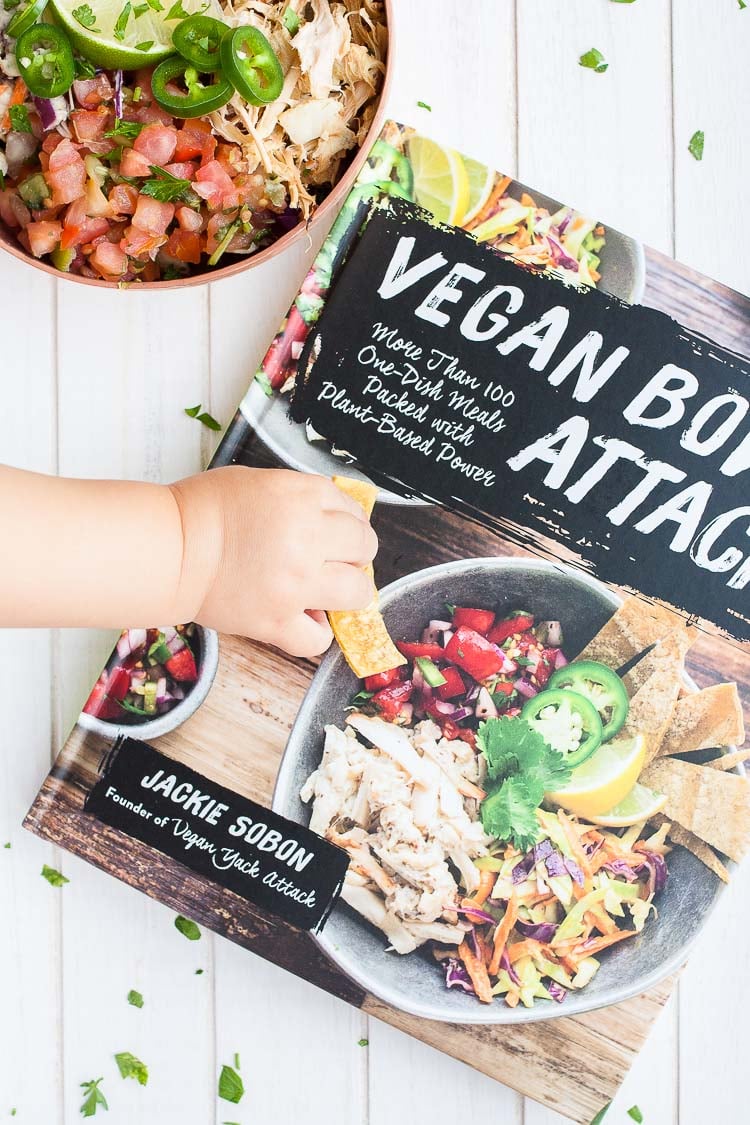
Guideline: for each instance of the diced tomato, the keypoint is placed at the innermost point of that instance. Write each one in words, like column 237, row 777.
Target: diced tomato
column 504, row 629
column 150, row 113
column 43, row 237
column 51, row 141
column 108, row 689
column 214, row 185
column 215, row 230
column 91, row 92
column 185, row 245
column 453, row 731
column 390, row 699
column 412, row 649
column 504, row 687
column 182, row 666
column 474, row 653
column 109, row 260
column 453, row 686
column 123, row 199
column 195, row 139
column 182, row 169
column 230, row 157
column 156, row 143
column 189, row 219
column 133, row 164
column 141, row 244
column 78, row 227
column 152, row 215
column 383, row 679
column 66, row 174
column 250, row 189
column 13, row 211
column 546, row 666
column 481, row 620
column 90, row 124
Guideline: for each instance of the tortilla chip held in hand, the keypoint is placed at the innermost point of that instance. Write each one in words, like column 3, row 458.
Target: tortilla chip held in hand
column 361, row 634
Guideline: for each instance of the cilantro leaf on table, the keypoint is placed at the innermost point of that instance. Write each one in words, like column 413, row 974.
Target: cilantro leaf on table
column 53, row 877
column 135, row 999
column 132, row 1067
column 697, row 144
column 231, row 1086
column 187, row 928
column 93, row 1098
column 635, row 1113
column 206, row 419
column 593, row 60
column 521, row 768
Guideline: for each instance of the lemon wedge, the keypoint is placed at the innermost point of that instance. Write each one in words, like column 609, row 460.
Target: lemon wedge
column 640, row 804
column 605, row 779
column 441, row 182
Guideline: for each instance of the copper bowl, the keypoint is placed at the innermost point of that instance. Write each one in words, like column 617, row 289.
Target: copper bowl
column 327, row 208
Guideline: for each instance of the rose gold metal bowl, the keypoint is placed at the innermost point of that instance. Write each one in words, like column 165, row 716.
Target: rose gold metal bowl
column 327, row 208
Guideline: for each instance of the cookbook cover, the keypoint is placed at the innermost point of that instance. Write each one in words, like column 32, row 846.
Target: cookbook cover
column 507, row 801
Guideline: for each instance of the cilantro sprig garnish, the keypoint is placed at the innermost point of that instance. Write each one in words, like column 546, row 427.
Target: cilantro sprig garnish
column 521, row 768
column 594, row 60
column 123, row 128
column 85, row 15
column 167, row 188
column 93, row 1097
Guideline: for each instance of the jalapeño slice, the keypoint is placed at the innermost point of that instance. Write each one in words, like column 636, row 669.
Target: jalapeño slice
column 45, row 60
column 251, row 65
column 178, row 88
column 198, row 39
column 601, row 686
column 569, row 722
column 25, row 17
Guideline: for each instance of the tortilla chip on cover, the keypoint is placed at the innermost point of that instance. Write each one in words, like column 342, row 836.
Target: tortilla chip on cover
column 713, row 805
column 729, row 761
column 704, row 719
column 634, row 626
column 659, row 659
column 652, row 706
column 679, row 835
column 361, row 634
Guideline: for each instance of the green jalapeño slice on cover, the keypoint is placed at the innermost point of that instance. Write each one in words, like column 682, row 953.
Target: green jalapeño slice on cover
column 568, row 722
column 177, row 87
column 198, row 40
column 45, row 60
column 25, row 17
column 251, row 65
column 601, row 686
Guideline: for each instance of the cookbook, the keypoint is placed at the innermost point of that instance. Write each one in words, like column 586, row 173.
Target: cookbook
column 512, row 792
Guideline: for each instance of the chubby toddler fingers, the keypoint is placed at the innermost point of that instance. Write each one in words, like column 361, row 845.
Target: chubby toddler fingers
column 343, row 586
column 307, row 635
column 348, row 540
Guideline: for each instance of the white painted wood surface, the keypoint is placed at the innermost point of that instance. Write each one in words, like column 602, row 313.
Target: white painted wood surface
column 93, row 384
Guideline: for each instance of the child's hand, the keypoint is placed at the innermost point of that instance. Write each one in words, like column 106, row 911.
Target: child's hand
column 266, row 550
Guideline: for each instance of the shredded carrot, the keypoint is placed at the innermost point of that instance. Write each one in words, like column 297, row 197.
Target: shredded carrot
column 568, row 964
column 502, row 933
column 497, row 194
column 482, row 893
column 529, row 947
column 527, row 200
column 575, row 844
column 597, row 916
column 477, row 973
column 512, row 997
column 598, row 944
column 18, row 97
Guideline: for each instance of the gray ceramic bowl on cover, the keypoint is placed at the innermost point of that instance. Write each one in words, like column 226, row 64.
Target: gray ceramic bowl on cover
column 414, row 983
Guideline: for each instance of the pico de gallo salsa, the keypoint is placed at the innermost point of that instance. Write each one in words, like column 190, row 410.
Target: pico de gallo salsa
column 149, row 673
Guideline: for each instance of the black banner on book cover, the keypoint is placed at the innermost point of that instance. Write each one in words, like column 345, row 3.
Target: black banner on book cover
column 443, row 366
column 277, row 865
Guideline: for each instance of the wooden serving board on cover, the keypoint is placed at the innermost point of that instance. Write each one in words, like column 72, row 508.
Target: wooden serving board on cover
column 238, row 736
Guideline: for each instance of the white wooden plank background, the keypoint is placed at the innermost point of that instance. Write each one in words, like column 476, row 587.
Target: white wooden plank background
column 93, row 383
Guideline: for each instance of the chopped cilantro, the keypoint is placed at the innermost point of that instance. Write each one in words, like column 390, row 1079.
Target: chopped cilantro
column 424, row 105
column 237, row 1061
column 84, row 68
column 363, row 1042
column 84, row 14
column 8, row 845
column 53, row 877
column 156, row 5
column 263, row 381
column 742, row 3
column 121, row 22
column 139, row 10
column 206, row 419
column 601, row 1114
column 19, row 118
column 167, row 188
column 290, row 19
column 594, row 60
column 636, row 1114
column 132, row 1067
column 187, row 928
column 231, row 1086
column 521, row 767
column 93, row 1097
column 199, row 972
column 135, row 999
column 121, row 128
column 177, row 12
column 146, row 45
column 450, row 607
column 696, row 145
column 360, row 697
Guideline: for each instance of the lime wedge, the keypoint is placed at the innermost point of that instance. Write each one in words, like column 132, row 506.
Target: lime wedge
column 640, row 804
column 126, row 34
column 481, row 182
column 441, row 184
column 603, row 780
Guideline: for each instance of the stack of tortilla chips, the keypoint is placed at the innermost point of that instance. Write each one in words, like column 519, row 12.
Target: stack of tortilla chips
column 708, row 806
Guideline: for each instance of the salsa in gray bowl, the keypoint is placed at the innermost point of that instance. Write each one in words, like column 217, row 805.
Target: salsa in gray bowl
column 414, row 982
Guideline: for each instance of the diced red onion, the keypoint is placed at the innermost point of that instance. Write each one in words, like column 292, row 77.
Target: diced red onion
column 461, row 713
column 472, row 694
column 444, row 708
column 161, row 690
column 117, row 100
column 432, row 634
column 178, row 693
column 52, row 111
column 485, row 707
column 407, row 712
column 130, row 640
column 297, row 348
column 526, row 689
column 175, row 644
column 560, row 659
column 446, row 637
column 19, row 147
